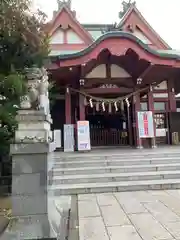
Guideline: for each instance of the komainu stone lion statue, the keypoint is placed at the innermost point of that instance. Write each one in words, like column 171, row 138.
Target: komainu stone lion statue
column 38, row 85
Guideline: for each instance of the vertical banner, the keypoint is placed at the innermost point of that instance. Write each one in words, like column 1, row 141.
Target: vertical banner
column 145, row 124
column 83, row 134
column 68, row 138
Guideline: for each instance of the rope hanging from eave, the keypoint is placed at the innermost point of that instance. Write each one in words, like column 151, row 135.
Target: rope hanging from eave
column 109, row 100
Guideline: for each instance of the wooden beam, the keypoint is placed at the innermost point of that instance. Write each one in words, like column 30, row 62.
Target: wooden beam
column 109, row 90
column 96, row 82
column 98, row 85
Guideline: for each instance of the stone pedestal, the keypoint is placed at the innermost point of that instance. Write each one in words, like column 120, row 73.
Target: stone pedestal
column 34, row 126
column 32, row 165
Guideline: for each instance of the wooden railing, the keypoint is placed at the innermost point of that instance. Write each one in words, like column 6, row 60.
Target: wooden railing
column 108, row 137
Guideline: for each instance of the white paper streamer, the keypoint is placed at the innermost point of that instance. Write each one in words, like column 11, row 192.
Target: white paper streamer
column 103, row 107
column 115, row 105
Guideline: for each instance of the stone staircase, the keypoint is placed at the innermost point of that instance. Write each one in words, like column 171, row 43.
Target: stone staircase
column 116, row 170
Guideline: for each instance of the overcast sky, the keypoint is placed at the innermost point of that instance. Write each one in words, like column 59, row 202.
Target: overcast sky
column 163, row 15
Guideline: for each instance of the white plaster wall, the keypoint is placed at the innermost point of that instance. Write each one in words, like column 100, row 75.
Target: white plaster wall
column 58, row 37
column 142, row 37
column 118, row 72
column 98, row 72
column 161, row 86
column 73, row 38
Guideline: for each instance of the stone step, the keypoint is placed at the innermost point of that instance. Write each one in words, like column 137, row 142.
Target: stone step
column 114, row 155
column 116, row 169
column 117, row 162
column 70, row 189
column 115, row 177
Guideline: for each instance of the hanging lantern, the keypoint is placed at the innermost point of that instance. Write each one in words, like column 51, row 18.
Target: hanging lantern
column 97, row 106
column 110, row 108
column 103, row 107
column 122, row 105
column 85, row 102
column 115, row 105
column 91, row 103
column 127, row 102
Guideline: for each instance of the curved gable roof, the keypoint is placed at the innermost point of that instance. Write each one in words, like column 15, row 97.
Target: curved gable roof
column 66, row 17
column 120, row 35
column 134, row 9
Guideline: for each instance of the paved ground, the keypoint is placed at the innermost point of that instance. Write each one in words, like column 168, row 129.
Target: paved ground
column 147, row 215
column 5, row 203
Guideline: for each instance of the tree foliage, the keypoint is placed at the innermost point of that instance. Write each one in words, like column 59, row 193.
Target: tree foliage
column 23, row 43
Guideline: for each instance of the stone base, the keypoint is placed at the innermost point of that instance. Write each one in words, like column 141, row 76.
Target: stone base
column 31, row 178
column 34, row 126
column 32, row 227
column 51, row 226
column 32, row 116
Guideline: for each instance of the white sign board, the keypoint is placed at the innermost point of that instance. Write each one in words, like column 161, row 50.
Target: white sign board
column 83, row 134
column 68, row 138
column 161, row 132
column 145, row 124
column 57, row 138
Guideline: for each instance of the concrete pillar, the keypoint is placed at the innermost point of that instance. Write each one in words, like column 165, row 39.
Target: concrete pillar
column 151, row 108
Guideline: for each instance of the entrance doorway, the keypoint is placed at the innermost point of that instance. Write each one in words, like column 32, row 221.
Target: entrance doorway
column 108, row 129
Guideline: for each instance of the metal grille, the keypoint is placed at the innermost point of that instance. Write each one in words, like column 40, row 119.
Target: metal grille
column 108, row 137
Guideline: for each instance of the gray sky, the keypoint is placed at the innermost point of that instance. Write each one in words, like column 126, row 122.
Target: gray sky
column 163, row 15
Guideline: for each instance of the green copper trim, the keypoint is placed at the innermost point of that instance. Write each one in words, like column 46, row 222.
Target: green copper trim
column 117, row 34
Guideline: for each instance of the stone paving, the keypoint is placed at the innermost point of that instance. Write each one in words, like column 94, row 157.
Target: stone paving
column 145, row 215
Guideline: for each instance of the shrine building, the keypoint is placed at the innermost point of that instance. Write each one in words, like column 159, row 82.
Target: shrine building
column 106, row 74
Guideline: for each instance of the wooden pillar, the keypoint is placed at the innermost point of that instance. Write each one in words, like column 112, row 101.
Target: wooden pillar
column 82, row 115
column 171, row 96
column 68, row 106
column 171, row 106
column 167, row 124
column 129, row 126
column 151, row 108
column 137, row 108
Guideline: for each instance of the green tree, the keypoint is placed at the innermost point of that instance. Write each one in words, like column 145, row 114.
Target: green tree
column 23, row 43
